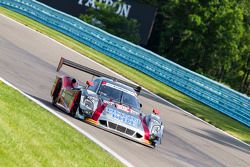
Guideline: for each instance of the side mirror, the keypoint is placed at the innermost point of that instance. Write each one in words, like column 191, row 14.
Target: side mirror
column 74, row 83
column 89, row 83
column 156, row 112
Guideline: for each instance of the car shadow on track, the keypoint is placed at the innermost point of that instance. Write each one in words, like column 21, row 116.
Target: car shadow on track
column 49, row 104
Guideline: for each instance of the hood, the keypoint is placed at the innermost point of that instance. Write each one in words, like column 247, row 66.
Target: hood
column 120, row 106
column 90, row 93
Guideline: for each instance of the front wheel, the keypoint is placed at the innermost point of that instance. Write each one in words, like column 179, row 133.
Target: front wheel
column 153, row 144
column 73, row 110
column 55, row 94
column 75, row 107
column 79, row 114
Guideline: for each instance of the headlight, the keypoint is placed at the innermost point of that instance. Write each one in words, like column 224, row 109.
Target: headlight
column 155, row 130
column 88, row 104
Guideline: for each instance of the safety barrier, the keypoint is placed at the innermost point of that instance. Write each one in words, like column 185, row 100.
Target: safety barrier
column 209, row 92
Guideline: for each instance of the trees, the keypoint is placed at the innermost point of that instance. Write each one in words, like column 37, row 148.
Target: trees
column 244, row 64
column 202, row 35
column 106, row 19
column 210, row 37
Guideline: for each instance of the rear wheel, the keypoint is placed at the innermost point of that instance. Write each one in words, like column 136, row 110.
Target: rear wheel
column 56, row 93
column 54, row 100
column 73, row 110
column 55, row 96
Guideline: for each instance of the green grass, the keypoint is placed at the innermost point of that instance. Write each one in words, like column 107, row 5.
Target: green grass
column 200, row 110
column 31, row 136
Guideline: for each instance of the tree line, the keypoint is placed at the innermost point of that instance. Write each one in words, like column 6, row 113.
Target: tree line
column 211, row 37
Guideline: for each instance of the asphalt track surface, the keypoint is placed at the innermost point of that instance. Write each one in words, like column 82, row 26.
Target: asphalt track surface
column 28, row 60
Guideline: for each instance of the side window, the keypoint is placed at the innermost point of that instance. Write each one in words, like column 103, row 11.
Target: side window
column 96, row 84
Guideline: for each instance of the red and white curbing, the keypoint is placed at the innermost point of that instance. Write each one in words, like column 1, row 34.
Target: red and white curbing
column 103, row 146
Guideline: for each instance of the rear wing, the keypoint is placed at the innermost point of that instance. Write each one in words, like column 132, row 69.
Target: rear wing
column 88, row 70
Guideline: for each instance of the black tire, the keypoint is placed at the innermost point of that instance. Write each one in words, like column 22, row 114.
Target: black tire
column 74, row 109
column 153, row 144
column 80, row 113
column 54, row 98
column 56, row 92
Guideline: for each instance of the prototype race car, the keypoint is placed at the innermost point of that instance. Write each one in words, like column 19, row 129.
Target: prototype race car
column 107, row 102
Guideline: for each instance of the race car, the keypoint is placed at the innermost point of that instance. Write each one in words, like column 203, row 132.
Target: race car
column 107, row 102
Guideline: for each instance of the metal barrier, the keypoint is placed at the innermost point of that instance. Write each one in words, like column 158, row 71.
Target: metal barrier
column 209, row 92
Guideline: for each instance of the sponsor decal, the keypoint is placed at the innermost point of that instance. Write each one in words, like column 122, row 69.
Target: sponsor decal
column 123, row 117
column 108, row 102
column 141, row 12
column 121, row 8
column 121, row 107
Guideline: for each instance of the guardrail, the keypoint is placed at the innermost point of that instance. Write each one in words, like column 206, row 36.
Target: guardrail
column 209, row 92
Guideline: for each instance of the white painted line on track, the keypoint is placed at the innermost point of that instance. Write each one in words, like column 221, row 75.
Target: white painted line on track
column 103, row 146
column 127, row 80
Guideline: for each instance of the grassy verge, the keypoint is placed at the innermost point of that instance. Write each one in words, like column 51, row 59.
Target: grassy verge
column 31, row 136
column 212, row 116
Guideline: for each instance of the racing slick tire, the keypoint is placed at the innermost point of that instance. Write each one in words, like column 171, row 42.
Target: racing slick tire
column 54, row 98
column 56, row 93
column 153, row 144
column 79, row 114
column 73, row 111
column 74, row 108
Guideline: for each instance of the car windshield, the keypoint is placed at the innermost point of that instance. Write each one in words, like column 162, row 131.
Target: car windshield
column 120, row 96
column 109, row 92
column 130, row 100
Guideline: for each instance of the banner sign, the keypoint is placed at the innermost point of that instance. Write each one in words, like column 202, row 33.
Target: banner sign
column 144, row 14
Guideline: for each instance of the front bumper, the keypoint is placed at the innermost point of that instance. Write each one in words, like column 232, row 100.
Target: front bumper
column 115, row 131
